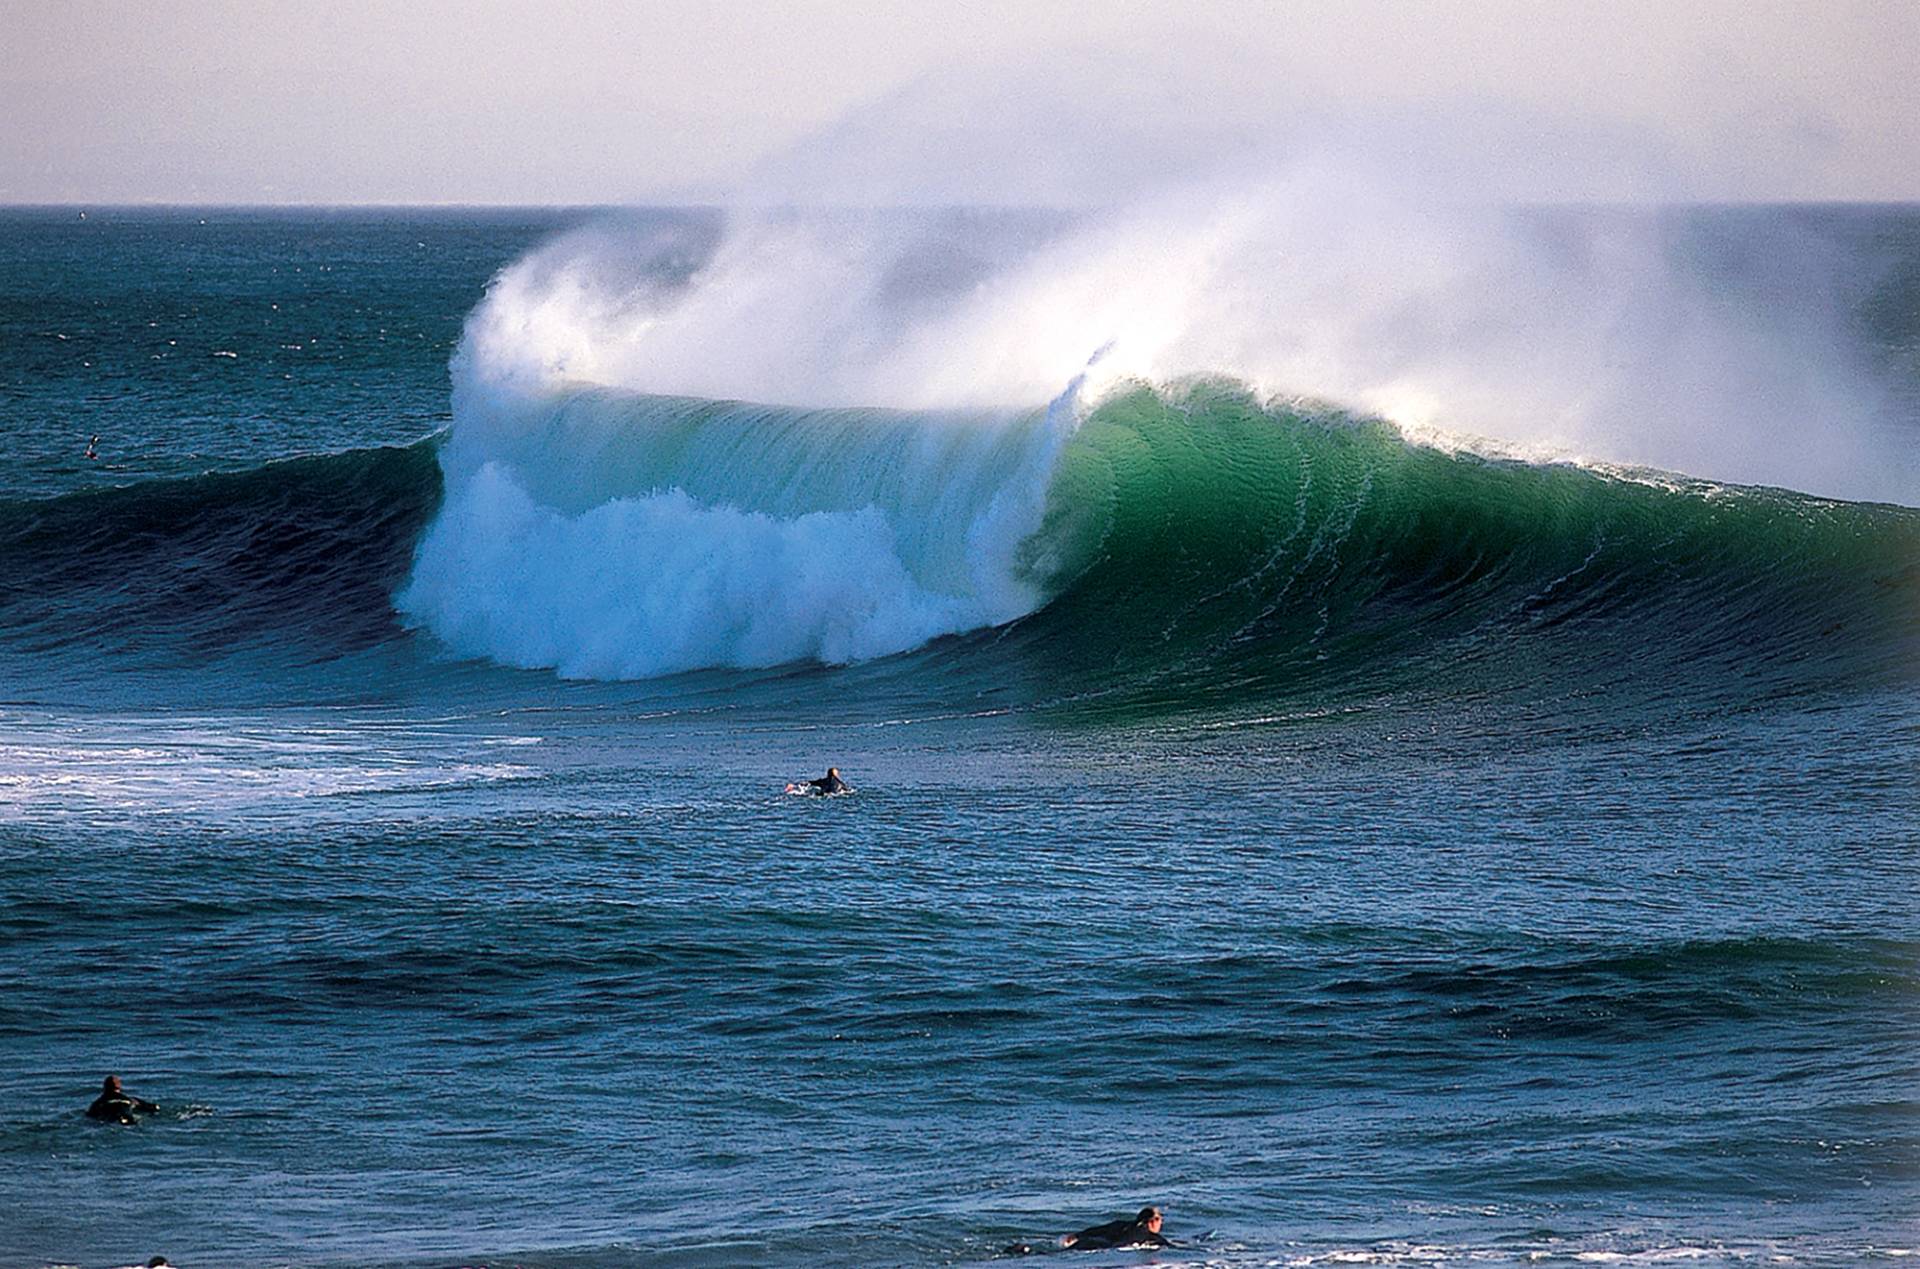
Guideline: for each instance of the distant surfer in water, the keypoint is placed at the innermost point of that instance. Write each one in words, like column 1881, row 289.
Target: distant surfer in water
column 828, row 783
column 1142, row 1231
column 92, row 447
column 116, row 1107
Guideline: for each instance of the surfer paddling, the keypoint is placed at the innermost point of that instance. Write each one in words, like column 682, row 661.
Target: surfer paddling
column 1141, row 1231
column 826, row 784
column 93, row 450
column 114, row 1106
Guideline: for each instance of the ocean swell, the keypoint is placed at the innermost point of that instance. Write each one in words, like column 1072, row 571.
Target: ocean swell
column 1178, row 546
column 1193, row 540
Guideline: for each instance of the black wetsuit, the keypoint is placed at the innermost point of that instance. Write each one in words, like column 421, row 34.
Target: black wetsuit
column 118, row 1108
column 1133, row 1233
column 828, row 784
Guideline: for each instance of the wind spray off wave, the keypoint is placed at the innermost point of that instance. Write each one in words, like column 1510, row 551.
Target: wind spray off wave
column 614, row 510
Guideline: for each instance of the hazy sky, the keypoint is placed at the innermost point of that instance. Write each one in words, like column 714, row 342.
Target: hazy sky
column 677, row 100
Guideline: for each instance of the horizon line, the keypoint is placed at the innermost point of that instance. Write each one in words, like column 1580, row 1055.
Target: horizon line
column 7, row 205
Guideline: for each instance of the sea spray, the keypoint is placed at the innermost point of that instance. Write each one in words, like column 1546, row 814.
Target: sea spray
column 616, row 509
column 1717, row 348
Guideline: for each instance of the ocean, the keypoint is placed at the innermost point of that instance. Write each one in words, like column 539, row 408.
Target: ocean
column 1367, row 844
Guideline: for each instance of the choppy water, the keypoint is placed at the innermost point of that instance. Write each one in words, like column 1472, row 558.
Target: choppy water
column 1365, row 852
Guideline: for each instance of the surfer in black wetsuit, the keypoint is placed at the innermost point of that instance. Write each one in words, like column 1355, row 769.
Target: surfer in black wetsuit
column 91, row 451
column 1142, row 1231
column 828, row 783
column 116, row 1107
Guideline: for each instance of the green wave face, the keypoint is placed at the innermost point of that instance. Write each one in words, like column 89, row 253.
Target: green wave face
column 1207, row 549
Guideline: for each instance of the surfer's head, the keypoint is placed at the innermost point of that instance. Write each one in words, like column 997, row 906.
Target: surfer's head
column 833, row 772
column 111, row 1084
column 1150, row 1218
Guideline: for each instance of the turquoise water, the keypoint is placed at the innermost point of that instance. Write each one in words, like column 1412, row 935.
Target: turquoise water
column 1360, row 851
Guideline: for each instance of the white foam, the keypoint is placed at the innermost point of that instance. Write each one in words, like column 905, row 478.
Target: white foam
column 610, row 535
column 65, row 766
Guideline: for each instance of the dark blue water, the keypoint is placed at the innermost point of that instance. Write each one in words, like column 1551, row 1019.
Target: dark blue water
column 1368, row 855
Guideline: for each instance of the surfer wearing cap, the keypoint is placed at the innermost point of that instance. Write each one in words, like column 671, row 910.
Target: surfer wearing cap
column 828, row 783
column 116, row 1107
column 1142, row 1231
